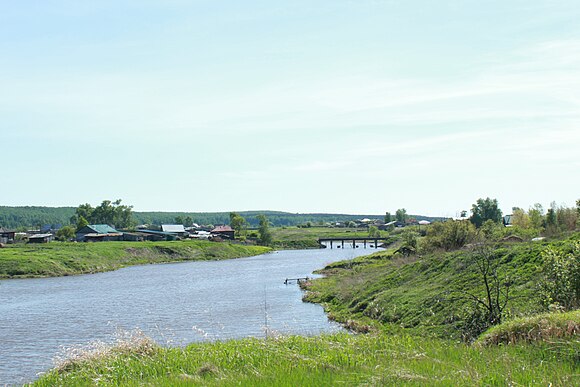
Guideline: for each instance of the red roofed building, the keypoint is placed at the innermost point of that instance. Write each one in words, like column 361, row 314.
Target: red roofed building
column 225, row 232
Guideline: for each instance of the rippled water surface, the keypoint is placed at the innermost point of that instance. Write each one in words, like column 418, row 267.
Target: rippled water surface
column 173, row 303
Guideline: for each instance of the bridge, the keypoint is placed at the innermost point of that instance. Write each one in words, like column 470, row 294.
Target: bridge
column 372, row 241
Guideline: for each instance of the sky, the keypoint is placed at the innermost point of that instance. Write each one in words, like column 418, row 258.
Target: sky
column 337, row 106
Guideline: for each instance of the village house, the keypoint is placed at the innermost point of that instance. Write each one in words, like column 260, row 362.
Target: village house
column 6, row 236
column 177, row 229
column 97, row 233
column 40, row 238
column 225, row 232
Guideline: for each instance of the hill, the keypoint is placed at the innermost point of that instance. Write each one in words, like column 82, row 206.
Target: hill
column 31, row 216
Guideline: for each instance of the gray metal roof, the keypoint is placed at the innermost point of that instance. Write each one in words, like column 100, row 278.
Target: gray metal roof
column 172, row 228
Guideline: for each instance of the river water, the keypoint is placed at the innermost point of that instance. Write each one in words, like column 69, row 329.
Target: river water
column 173, row 303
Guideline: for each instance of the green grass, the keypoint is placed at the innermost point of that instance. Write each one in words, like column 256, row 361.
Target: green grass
column 59, row 259
column 542, row 327
column 423, row 293
column 341, row 359
column 410, row 308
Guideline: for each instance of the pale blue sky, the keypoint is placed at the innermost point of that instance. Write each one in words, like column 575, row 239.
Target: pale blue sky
column 302, row 106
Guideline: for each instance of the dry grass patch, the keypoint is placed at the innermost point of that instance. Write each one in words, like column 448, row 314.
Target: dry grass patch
column 543, row 327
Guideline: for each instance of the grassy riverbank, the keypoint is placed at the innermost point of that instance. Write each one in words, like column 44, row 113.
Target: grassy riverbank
column 429, row 294
column 343, row 359
column 415, row 319
column 59, row 259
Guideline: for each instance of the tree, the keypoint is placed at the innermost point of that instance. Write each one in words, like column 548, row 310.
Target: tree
column 401, row 215
column 388, row 217
column 81, row 223
column 409, row 245
column 489, row 308
column 560, row 283
column 83, row 211
column 450, row 235
column 485, row 209
column 65, row 233
column 567, row 218
column 520, row 218
column 374, row 232
column 265, row 236
column 112, row 213
column 239, row 224
column 536, row 214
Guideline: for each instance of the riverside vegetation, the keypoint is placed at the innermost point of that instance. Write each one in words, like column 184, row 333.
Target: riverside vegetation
column 59, row 258
column 421, row 329
column 445, row 305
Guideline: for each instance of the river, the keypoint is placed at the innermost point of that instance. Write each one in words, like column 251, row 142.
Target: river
column 175, row 304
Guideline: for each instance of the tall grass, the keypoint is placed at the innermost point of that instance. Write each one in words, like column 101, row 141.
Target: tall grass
column 340, row 359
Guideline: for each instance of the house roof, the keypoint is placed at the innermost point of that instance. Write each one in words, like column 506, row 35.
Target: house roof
column 102, row 229
column 39, row 236
column 172, row 228
column 222, row 229
column 3, row 230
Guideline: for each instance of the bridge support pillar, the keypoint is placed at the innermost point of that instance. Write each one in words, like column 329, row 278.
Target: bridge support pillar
column 331, row 244
column 365, row 243
column 376, row 243
column 343, row 243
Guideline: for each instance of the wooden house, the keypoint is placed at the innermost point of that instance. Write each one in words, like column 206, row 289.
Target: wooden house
column 6, row 236
column 225, row 232
column 40, row 238
column 98, row 232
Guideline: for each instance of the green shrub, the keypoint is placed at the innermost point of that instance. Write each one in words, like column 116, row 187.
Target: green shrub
column 560, row 285
column 450, row 235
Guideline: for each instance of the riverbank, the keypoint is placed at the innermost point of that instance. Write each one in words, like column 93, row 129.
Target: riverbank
column 414, row 336
column 61, row 259
column 340, row 359
column 432, row 294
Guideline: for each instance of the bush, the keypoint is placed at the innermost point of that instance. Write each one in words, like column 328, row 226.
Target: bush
column 450, row 235
column 560, row 285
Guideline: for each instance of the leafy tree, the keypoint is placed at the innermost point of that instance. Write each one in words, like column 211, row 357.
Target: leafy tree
column 179, row 220
column 485, row 209
column 83, row 211
column 567, row 218
column 536, row 214
column 239, row 224
column 560, row 284
column 112, row 213
column 410, row 241
column 451, row 234
column 81, row 223
column 188, row 221
column 401, row 215
column 374, row 232
column 265, row 237
column 65, row 233
column 388, row 217
column 520, row 218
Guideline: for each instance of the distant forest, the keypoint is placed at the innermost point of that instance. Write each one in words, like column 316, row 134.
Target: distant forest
column 37, row 217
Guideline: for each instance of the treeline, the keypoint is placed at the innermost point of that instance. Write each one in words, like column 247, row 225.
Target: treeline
column 36, row 217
